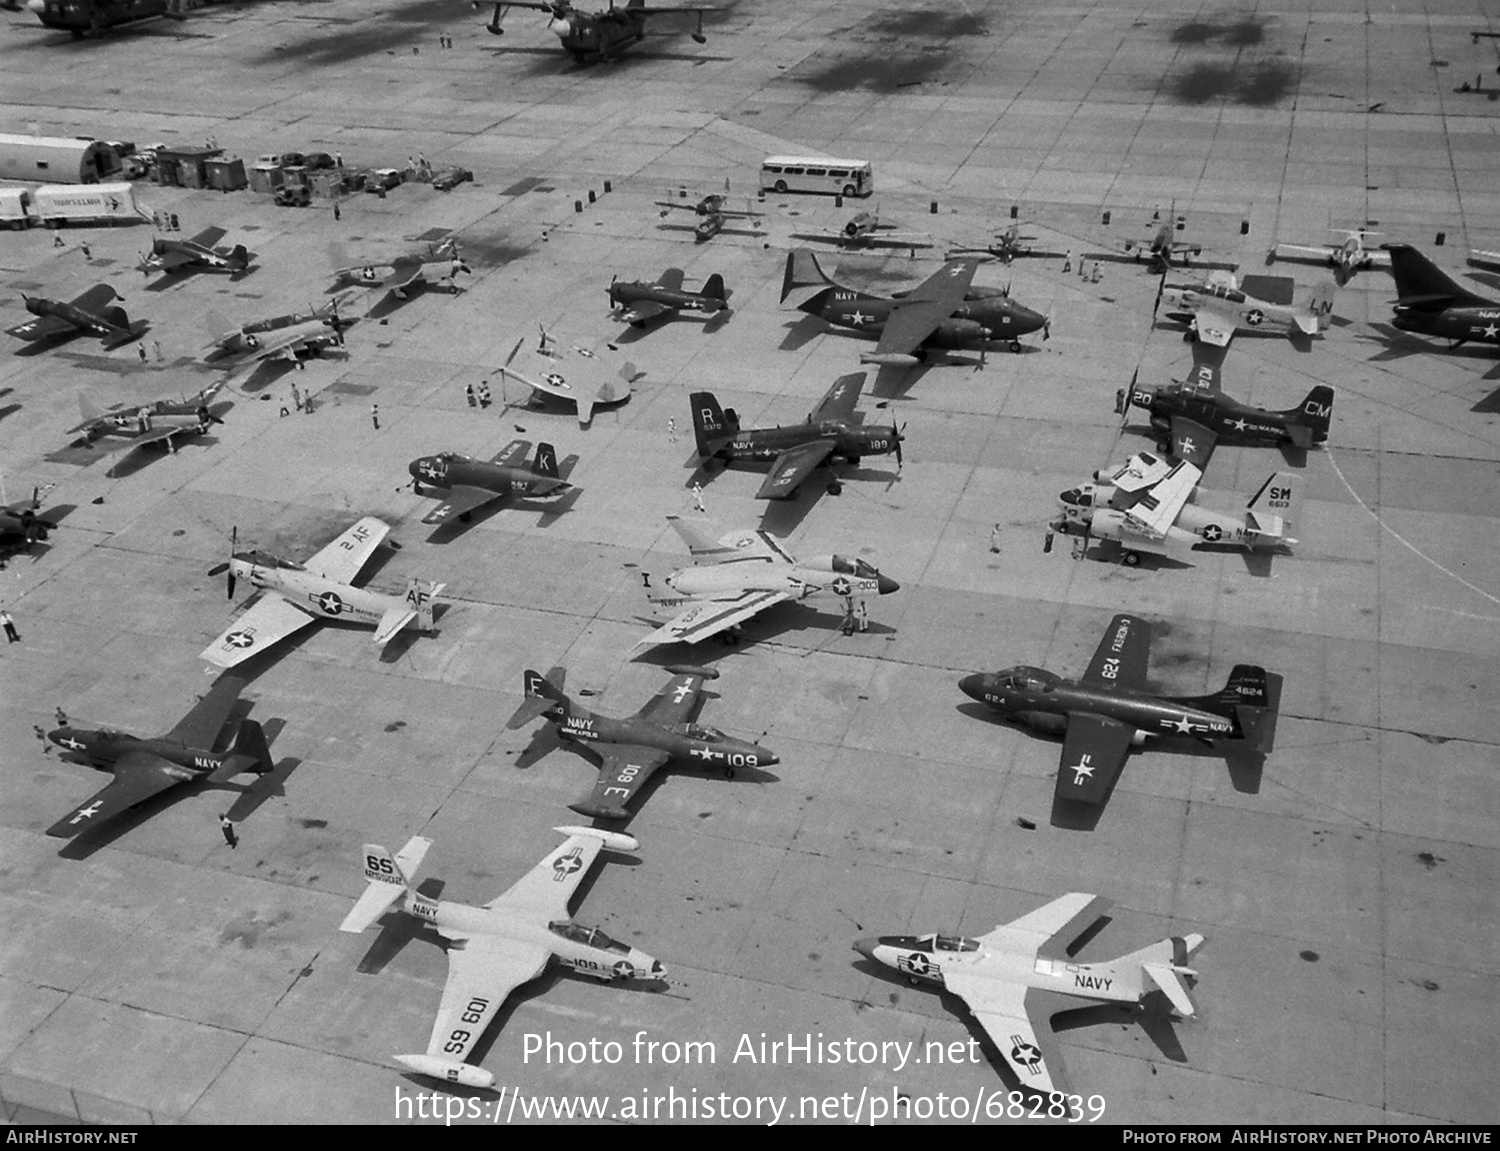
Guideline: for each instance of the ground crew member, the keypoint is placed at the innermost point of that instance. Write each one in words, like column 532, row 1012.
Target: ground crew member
column 228, row 829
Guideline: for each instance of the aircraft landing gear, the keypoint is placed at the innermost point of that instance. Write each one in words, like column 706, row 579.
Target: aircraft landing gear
column 835, row 488
column 1131, row 559
column 1163, row 448
column 1015, row 345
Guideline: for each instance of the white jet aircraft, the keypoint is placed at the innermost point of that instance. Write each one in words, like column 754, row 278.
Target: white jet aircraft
column 1214, row 310
column 1150, row 504
column 495, row 948
column 745, row 572
column 294, row 594
column 998, row 974
column 1346, row 258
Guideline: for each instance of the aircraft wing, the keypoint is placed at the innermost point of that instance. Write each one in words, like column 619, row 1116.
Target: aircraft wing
column 1054, row 925
column 95, row 298
column 1094, row 750
column 1214, row 327
column 792, row 467
column 41, row 328
column 709, row 617
column 138, row 776
column 157, row 434
column 626, row 767
column 947, row 285
column 460, row 501
column 269, row 621
column 482, row 972
column 671, row 279
column 1002, row 1010
column 341, row 560
column 208, row 237
column 675, row 702
column 1121, row 658
column 838, row 402
column 1323, row 252
column 744, row 544
column 544, row 891
column 643, row 310
column 1192, row 442
column 1159, row 508
column 200, row 727
column 513, row 454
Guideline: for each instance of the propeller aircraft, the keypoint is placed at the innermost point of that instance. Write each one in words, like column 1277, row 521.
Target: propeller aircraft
column 289, row 337
column 21, row 526
column 494, row 949
column 196, row 254
column 403, row 273
column 1002, row 977
column 158, row 422
column 1214, row 310
column 89, row 312
column 867, row 230
column 743, row 573
column 470, row 484
column 144, row 767
column 1110, row 710
column 590, row 36
column 293, row 595
column 714, row 214
column 637, row 302
column 831, row 434
column 1005, row 247
column 942, row 313
column 631, row 750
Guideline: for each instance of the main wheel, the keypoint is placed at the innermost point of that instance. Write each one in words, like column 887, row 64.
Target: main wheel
column 850, row 190
column 1131, row 559
column 1015, row 345
column 781, row 185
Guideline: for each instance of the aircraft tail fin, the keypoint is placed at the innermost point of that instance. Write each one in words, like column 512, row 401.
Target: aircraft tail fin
column 1419, row 281
column 420, row 595
column 1310, row 418
column 545, row 463
column 239, row 254
column 543, row 694
column 1319, row 305
column 127, row 331
column 251, row 753
column 1164, row 965
column 711, row 422
column 1247, row 698
column 713, row 289
column 389, row 879
column 802, row 272
column 1276, row 508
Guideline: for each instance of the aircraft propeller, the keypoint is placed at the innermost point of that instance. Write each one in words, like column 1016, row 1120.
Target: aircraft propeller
column 1122, row 399
column 896, row 435
column 1161, row 288
column 218, row 569
column 206, row 417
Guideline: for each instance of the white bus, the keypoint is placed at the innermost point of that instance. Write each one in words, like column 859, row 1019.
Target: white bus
column 816, row 174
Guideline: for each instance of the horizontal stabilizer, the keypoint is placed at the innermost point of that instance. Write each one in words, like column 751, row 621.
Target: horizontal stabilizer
column 370, row 906
column 392, row 622
column 1259, row 727
column 1168, row 979
column 1301, row 435
column 531, row 707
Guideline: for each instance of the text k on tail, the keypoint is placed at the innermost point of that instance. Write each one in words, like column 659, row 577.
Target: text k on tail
column 546, row 461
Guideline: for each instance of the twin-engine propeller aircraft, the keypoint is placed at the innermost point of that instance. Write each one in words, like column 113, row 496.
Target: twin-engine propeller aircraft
column 289, row 337
column 831, row 435
column 630, row 750
column 589, row 36
column 144, row 767
column 1005, row 247
column 1191, row 418
column 743, row 573
column 293, row 594
column 638, row 302
column 400, row 275
column 90, row 312
column 470, row 483
column 1003, row 978
column 1429, row 302
column 1150, row 504
column 196, row 254
column 1214, row 310
column 943, row 313
column 1346, row 258
column 159, row 422
column 714, row 214
column 585, row 377
column 494, row 949
column 1110, row 710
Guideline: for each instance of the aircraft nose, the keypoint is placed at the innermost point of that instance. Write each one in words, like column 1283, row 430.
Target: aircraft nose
column 764, row 758
column 1070, row 497
column 973, row 686
column 658, row 969
column 885, row 585
column 414, row 469
column 867, row 946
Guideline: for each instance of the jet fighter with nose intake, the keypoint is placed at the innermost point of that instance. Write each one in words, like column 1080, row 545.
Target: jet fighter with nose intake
column 1110, row 710
column 1000, row 975
column 830, row 435
column 632, row 749
column 1429, row 302
column 1191, row 418
column 494, row 949
column 637, row 302
column 743, row 573
column 89, row 312
column 471, row 483
column 293, row 595
column 942, row 313
column 144, row 767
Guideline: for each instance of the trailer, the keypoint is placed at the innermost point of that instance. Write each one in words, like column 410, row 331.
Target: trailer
column 57, row 204
column 13, row 203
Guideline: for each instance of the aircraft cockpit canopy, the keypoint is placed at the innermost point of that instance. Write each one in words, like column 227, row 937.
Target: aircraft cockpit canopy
column 267, row 560
column 1025, row 679
column 1078, row 497
column 701, row 731
column 954, row 943
column 588, row 936
column 854, row 567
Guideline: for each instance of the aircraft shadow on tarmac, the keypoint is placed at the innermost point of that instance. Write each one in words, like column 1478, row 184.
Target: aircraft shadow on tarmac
column 634, row 333
column 1399, row 345
column 550, row 510
column 136, row 458
column 765, row 627
column 269, row 372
